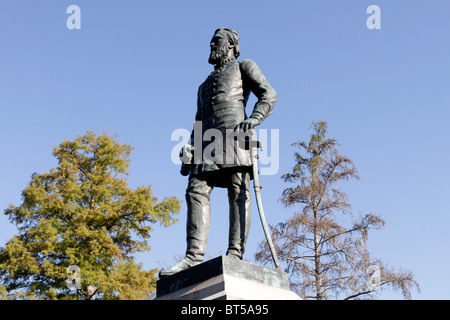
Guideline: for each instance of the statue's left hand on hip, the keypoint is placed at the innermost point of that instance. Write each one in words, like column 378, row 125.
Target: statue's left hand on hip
column 247, row 124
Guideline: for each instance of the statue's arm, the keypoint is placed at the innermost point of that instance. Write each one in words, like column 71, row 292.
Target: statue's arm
column 187, row 152
column 258, row 84
column 198, row 114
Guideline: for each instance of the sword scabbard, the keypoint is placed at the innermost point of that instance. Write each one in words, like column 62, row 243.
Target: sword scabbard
column 257, row 188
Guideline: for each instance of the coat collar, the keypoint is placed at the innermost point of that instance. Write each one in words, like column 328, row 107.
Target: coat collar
column 224, row 63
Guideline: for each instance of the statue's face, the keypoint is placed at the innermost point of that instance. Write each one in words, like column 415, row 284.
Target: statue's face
column 220, row 47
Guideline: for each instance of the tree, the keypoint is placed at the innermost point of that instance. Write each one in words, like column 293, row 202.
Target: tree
column 323, row 246
column 83, row 216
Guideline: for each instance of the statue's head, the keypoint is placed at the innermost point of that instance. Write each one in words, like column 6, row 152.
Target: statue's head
column 224, row 44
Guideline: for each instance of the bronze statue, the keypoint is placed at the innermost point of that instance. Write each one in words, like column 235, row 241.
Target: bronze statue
column 221, row 103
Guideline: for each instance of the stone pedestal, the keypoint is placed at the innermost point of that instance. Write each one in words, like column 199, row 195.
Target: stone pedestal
column 225, row 278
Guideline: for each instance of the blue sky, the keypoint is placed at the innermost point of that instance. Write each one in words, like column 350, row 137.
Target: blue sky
column 134, row 68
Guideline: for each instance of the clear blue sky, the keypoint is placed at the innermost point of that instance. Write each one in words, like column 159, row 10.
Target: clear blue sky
column 135, row 66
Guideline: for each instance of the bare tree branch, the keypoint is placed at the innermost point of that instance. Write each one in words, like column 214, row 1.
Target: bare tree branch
column 325, row 257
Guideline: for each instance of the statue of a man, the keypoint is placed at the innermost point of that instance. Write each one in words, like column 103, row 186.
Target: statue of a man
column 222, row 99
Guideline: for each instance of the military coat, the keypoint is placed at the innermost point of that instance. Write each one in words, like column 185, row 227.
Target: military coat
column 221, row 106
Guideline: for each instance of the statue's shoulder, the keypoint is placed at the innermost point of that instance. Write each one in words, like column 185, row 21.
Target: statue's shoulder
column 246, row 63
column 248, row 66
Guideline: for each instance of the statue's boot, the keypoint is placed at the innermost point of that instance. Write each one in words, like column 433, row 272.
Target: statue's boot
column 240, row 213
column 197, row 225
column 184, row 264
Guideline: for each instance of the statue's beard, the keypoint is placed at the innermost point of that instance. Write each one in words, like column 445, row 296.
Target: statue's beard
column 218, row 54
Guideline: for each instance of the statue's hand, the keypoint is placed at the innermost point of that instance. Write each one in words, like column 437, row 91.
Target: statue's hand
column 186, row 157
column 247, row 124
column 186, row 154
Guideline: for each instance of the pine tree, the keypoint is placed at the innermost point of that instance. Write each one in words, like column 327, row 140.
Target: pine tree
column 323, row 246
column 83, row 216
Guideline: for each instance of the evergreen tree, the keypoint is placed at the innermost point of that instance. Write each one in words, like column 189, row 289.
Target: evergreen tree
column 82, row 217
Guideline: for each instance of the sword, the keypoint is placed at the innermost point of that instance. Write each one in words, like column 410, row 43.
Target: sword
column 254, row 145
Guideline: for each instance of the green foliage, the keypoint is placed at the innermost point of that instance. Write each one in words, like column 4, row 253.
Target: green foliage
column 83, row 213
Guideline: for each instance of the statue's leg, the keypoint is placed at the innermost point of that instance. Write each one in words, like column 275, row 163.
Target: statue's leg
column 240, row 213
column 198, row 217
column 197, row 226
